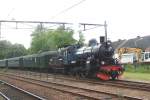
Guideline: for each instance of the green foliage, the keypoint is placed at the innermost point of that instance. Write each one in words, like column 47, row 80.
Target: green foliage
column 16, row 50
column 4, row 46
column 81, row 38
column 63, row 37
column 141, row 68
column 51, row 39
column 8, row 50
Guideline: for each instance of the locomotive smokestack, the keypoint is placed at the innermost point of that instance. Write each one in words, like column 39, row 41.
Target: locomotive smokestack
column 102, row 39
column 105, row 26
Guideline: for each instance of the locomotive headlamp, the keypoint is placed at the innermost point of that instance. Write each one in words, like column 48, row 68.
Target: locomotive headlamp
column 60, row 59
column 73, row 62
column 87, row 62
column 102, row 62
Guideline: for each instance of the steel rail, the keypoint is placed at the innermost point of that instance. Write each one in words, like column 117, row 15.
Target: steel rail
column 116, row 83
column 59, row 84
column 58, row 89
column 4, row 96
column 22, row 90
column 132, row 82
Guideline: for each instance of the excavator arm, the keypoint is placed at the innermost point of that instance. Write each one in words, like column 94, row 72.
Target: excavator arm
column 137, row 51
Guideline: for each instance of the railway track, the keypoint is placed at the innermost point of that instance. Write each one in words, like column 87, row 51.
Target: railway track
column 11, row 92
column 75, row 90
column 132, row 84
column 3, row 97
column 116, row 83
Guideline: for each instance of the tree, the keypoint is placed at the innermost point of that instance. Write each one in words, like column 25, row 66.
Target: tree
column 8, row 50
column 63, row 37
column 38, row 39
column 81, row 38
column 4, row 47
column 16, row 50
column 51, row 39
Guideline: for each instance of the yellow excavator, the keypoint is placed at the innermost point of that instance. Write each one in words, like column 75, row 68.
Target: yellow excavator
column 137, row 51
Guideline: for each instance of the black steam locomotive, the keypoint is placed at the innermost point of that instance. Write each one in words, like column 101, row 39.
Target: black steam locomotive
column 94, row 60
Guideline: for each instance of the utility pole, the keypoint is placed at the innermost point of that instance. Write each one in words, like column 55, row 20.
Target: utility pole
column 0, row 30
column 105, row 26
column 96, row 25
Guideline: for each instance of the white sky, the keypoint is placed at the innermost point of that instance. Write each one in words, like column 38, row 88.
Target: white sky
column 125, row 18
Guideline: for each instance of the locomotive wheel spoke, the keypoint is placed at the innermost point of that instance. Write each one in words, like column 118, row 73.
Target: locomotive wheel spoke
column 77, row 75
column 71, row 74
column 84, row 74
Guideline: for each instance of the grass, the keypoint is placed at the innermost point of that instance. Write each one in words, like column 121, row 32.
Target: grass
column 137, row 76
column 141, row 73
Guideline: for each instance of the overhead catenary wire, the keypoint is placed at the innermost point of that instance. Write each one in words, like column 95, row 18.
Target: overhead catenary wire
column 9, row 13
column 67, row 9
column 63, row 11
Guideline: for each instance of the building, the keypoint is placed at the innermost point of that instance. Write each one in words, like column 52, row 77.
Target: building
column 138, row 42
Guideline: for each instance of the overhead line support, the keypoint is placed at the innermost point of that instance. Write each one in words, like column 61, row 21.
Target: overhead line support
column 34, row 22
column 0, row 29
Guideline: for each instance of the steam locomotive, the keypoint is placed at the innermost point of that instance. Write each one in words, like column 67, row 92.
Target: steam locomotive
column 94, row 60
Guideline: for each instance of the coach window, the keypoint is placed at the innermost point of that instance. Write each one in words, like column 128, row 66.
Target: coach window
column 35, row 59
column 65, row 53
column 146, row 55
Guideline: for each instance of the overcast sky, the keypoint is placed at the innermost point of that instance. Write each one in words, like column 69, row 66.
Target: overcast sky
column 125, row 18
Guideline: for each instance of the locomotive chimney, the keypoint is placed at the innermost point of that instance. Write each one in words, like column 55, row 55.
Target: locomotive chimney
column 102, row 39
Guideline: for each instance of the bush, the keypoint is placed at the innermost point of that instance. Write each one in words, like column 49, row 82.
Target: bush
column 141, row 68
